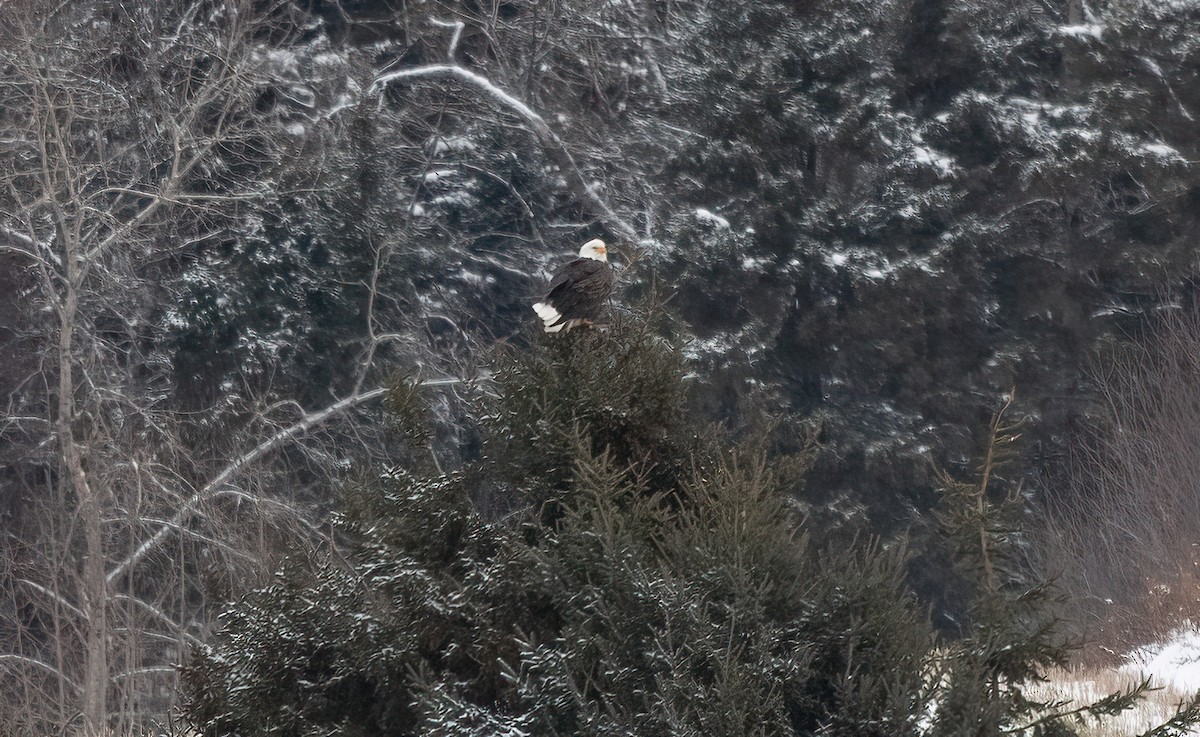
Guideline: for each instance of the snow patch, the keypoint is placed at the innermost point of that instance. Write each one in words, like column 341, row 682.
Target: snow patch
column 453, row 143
column 1081, row 30
column 1175, row 662
column 282, row 60
column 708, row 216
column 434, row 177
column 875, row 267
column 341, row 102
column 922, row 153
column 1163, row 151
column 699, row 347
column 329, row 59
column 453, row 199
column 742, row 343
column 301, row 95
column 471, row 277
column 926, row 155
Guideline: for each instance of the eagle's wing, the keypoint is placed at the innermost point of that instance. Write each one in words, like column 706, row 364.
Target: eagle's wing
column 565, row 277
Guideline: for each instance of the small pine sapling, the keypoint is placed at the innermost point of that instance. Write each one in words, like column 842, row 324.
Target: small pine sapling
column 1015, row 630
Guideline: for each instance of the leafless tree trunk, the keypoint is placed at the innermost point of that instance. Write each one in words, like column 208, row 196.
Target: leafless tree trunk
column 128, row 131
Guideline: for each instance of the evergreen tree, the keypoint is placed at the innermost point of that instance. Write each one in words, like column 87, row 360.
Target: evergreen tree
column 652, row 579
column 646, row 578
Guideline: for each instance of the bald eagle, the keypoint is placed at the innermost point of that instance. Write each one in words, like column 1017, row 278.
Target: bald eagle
column 578, row 290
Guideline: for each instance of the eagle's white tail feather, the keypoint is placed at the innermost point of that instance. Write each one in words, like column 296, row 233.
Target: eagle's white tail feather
column 549, row 316
column 546, row 312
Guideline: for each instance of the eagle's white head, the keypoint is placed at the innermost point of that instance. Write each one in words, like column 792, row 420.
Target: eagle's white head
column 596, row 249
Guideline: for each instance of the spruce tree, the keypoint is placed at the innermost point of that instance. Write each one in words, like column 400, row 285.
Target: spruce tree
column 650, row 578
column 647, row 577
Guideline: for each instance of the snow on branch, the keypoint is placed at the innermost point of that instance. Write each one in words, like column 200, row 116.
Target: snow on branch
column 458, row 26
column 41, row 665
column 53, row 596
column 162, row 617
column 268, row 445
column 453, row 70
column 271, row 443
column 18, row 236
column 13, row 241
column 555, row 148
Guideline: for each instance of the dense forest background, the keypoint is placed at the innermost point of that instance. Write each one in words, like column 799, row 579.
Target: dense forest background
column 254, row 253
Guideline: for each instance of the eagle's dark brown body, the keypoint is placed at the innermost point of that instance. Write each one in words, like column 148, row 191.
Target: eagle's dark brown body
column 577, row 291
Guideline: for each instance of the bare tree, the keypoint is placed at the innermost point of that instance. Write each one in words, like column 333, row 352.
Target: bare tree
column 131, row 134
column 1121, row 526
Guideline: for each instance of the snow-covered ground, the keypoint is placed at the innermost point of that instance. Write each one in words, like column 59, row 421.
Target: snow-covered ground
column 1173, row 665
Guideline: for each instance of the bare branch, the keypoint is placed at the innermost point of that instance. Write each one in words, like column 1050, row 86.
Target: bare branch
column 159, row 615
column 247, row 458
column 146, row 669
column 183, row 530
column 555, row 148
column 53, row 595
column 270, row 444
column 103, row 179
column 274, row 503
column 25, row 659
